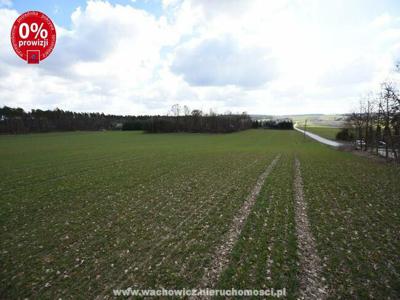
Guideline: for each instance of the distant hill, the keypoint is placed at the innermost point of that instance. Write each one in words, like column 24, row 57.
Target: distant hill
column 261, row 117
column 333, row 120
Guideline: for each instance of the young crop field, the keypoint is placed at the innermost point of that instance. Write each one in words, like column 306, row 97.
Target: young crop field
column 84, row 213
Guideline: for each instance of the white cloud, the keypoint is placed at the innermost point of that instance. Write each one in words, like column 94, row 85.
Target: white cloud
column 220, row 62
column 102, row 63
column 7, row 18
column 289, row 56
column 382, row 20
column 6, row 3
column 353, row 72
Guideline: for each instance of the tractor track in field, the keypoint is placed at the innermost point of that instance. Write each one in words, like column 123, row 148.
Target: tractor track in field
column 221, row 255
column 169, row 235
column 311, row 285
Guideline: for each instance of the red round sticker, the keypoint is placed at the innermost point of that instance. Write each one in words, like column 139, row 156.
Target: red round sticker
column 33, row 36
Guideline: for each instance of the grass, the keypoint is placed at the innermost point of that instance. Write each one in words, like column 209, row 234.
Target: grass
column 83, row 213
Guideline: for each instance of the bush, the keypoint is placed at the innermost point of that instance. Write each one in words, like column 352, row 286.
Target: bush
column 345, row 135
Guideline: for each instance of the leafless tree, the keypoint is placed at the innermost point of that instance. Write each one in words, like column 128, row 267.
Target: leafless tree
column 377, row 120
column 176, row 110
column 186, row 110
column 389, row 96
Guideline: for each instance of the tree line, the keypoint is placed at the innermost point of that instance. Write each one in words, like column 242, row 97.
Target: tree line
column 375, row 125
column 286, row 124
column 16, row 120
column 196, row 121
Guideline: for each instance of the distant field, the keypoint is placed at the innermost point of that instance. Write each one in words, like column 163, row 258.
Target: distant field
column 85, row 213
column 326, row 132
column 320, row 120
column 315, row 120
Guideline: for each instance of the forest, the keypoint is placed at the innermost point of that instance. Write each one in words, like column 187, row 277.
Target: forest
column 17, row 121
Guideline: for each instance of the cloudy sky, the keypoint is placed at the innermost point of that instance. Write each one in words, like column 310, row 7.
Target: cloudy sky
column 262, row 57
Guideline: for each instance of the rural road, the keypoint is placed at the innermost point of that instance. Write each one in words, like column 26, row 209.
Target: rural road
column 318, row 138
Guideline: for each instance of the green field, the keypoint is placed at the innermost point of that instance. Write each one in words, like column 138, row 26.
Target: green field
column 84, row 213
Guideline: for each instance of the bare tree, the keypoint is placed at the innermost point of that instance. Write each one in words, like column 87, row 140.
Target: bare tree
column 369, row 116
column 186, row 110
column 389, row 96
column 379, row 120
column 176, row 110
column 357, row 119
